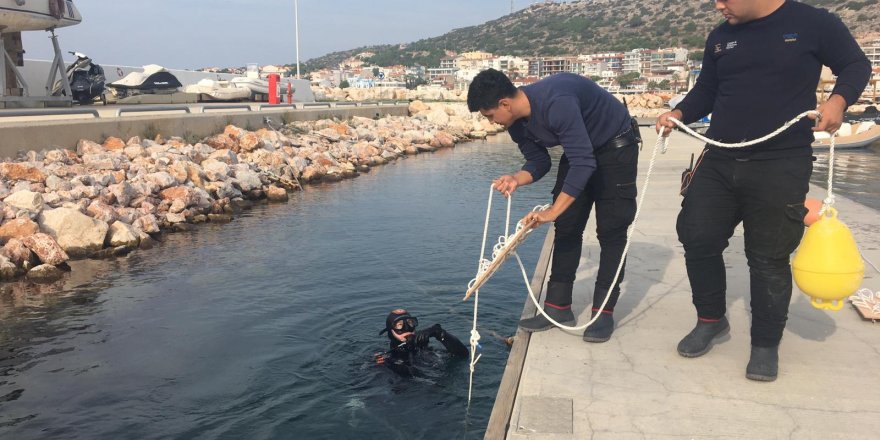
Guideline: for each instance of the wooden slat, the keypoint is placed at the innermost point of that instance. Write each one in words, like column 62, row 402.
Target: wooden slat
column 499, row 421
column 514, row 242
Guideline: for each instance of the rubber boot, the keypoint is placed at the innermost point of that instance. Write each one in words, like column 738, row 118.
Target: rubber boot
column 700, row 339
column 602, row 329
column 763, row 364
column 557, row 304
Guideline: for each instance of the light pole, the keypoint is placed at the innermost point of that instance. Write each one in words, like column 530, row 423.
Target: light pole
column 296, row 18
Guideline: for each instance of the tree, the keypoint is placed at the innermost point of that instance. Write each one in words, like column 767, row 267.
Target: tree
column 344, row 84
column 375, row 72
column 627, row 78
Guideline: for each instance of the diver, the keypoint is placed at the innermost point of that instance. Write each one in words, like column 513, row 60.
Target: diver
column 406, row 342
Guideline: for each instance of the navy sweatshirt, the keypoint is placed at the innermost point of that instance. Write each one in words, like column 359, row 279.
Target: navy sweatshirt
column 572, row 111
column 759, row 74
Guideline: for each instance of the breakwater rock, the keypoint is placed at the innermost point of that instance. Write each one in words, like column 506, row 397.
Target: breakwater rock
column 109, row 198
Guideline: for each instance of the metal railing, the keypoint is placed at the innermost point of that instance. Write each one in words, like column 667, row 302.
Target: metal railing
column 191, row 109
column 49, row 112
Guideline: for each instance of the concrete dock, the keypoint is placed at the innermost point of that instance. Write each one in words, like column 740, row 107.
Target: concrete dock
column 636, row 386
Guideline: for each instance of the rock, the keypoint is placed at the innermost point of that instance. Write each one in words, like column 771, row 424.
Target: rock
column 438, row 117
column 113, row 143
column 161, row 179
column 18, row 228
column 179, row 172
column 101, row 211
column 78, row 234
column 147, row 223
column 215, row 170
column 46, row 249
column 219, row 218
column 177, row 206
column 85, row 146
column 417, row 107
column 27, row 200
column 56, row 183
column 134, row 151
column 8, row 269
column 276, row 194
column 247, row 180
column 122, row 234
column 249, row 142
column 183, row 193
column 173, row 218
column 442, row 139
column 225, row 156
column 102, row 161
column 19, row 171
column 123, row 192
column 17, row 252
column 44, row 273
column 221, row 142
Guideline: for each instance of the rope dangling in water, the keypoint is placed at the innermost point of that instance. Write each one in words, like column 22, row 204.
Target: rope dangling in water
column 506, row 245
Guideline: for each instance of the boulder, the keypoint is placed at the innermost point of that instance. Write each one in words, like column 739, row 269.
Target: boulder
column 276, row 194
column 78, row 234
column 45, row 248
column 18, row 228
column 45, row 273
column 17, row 252
column 122, row 234
column 27, row 200
column 113, row 143
column 19, row 171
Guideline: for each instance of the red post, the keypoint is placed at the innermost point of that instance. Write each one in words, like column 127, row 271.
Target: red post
column 289, row 93
column 273, row 88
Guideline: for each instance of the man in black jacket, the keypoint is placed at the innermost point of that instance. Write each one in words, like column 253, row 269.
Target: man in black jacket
column 600, row 145
column 760, row 69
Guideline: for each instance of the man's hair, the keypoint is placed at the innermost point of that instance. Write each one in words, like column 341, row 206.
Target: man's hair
column 487, row 88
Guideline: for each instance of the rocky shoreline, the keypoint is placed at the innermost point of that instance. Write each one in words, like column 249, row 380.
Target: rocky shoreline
column 110, row 198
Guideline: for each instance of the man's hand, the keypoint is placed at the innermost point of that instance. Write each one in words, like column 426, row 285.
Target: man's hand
column 832, row 114
column 540, row 217
column 664, row 124
column 506, row 185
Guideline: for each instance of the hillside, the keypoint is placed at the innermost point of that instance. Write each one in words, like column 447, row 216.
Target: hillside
column 585, row 26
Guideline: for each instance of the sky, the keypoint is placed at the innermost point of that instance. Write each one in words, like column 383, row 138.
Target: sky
column 190, row 34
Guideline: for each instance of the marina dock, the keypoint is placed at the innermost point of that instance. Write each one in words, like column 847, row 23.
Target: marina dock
column 636, row 386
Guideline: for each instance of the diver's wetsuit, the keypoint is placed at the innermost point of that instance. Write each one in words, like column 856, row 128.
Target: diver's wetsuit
column 400, row 355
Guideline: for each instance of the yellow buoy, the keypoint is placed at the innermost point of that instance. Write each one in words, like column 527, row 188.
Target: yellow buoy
column 828, row 266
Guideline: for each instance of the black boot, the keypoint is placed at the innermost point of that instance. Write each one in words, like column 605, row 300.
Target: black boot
column 763, row 364
column 699, row 340
column 557, row 304
column 601, row 330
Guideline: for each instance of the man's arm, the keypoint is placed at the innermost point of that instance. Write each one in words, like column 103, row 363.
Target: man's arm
column 537, row 164
column 839, row 51
column 566, row 122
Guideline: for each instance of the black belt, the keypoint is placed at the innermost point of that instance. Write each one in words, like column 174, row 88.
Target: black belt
column 622, row 140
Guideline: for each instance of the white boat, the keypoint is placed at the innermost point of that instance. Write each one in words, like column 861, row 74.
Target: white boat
column 255, row 85
column 154, row 79
column 858, row 135
column 219, row 90
column 37, row 15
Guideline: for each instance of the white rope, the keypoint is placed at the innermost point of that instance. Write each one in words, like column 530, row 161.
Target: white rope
column 867, row 299
column 499, row 251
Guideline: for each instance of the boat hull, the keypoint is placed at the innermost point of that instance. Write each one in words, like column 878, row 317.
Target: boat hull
column 36, row 15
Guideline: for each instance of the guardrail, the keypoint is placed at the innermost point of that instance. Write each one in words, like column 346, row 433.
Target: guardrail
column 50, row 112
column 190, row 109
column 158, row 108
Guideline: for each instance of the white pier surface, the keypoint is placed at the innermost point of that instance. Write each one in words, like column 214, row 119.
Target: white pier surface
column 636, row 386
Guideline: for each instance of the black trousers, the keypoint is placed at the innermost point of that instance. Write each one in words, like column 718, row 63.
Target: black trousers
column 612, row 189
column 767, row 196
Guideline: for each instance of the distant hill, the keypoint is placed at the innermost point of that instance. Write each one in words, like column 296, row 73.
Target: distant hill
column 586, row 26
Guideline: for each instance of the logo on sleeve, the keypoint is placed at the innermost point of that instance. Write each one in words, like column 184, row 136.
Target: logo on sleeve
column 790, row 38
column 730, row 45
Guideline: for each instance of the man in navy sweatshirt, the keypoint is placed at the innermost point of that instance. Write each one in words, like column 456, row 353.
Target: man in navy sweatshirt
column 598, row 166
column 760, row 69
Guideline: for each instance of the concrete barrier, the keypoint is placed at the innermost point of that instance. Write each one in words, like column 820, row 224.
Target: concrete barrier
column 37, row 135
